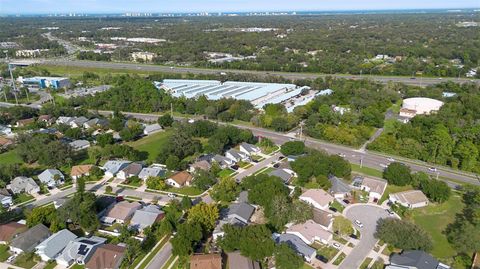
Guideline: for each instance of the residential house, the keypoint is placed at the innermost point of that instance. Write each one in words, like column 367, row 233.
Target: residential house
column 151, row 129
column 409, row 199
column 206, row 261
column 324, row 218
column 95, row 123
column 200, row 165
column 152, row 172
column 238, row 261
column 79, row 171
column 64, row 120
column 24, row 184
column 78, row 122
column 146, row 216
column 5, row 130
column 79, row 144
column 51, row 177
column 79, row 250
column 222, row 161
column 414, row 259
column 131, row 170
column 374, row 187
column 5, row 198
column 318, row 198
column 297, row 244
column 8, row 231
column 111, row 168
column 218, row 231
column 339, row 188
column 310, row 232
column 249, row 149
column 107, row 256
column 47, row 119
column 52, row 246
column 25, row 122
column 120, row 212
column 282, row 174
column 241, row 211
column 5, row 142
column 236, row 155
column 180, row 179
column 28, row 240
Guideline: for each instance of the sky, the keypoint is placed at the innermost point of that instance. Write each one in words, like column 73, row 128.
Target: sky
column 159, row 6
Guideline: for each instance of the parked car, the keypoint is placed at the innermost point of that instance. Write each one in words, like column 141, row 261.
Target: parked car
column 432, row 169
column 333, row 209
column 390, row 159
column 358, row 223
column 336, row 245
column 277, row 165
column 171, row 195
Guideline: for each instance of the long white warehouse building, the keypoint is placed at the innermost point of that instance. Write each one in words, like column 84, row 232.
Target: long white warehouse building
column 259, row 94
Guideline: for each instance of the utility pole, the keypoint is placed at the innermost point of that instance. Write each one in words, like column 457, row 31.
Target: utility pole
column 11, row 76
column 361, row 161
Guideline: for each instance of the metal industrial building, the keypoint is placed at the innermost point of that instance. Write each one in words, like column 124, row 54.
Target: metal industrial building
column 259, row 94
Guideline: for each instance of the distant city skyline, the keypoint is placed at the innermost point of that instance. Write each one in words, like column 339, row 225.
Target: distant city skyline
column 181, row 6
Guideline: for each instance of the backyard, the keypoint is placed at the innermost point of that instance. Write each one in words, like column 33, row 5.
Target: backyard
column 434, row 219
column 10, row 157
column 152, row 144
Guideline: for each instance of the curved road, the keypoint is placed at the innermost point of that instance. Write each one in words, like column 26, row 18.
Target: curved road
column 290, row 75
column 368, row 215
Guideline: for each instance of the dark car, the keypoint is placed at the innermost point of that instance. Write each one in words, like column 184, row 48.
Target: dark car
column 235, row 167
column 333, row 209
column 277, row 165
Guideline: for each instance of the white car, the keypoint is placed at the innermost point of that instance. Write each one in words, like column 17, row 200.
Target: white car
column 383, row 165
column 336, row 245
column 341, row 155
column 358, row 223
column 390, row 159
column 171, row 195
column 432, row 169
column 11, row 258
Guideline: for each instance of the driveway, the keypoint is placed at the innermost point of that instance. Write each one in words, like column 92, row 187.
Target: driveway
column 257, row 167
column 368, row 215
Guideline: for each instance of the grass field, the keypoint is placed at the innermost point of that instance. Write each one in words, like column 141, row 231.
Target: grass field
column 152, row 143
column 4, row 253
column 434, row 219
column 10, row 157
column 339, row 259
column 366, row 171
column 21, row 198
column 192, row 191
column 225, row 173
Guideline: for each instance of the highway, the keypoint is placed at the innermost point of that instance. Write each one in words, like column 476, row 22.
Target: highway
column 361, row 157
column 289, row 75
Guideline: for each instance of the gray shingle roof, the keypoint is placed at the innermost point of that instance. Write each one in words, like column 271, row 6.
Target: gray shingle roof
column 145, row 217
column 242, row 210
column 282, row 174
column 49, row 175
column 415, row 258
column 296, row 244
column 28, row 240
column 53, row 245
column 23, row 184
column 338, row 186
column 151, row 172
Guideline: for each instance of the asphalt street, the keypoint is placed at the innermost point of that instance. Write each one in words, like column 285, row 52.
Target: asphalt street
column 260, row 165
column 368, row 215
column 190, row 70
column 161, row 257
column 370, row 159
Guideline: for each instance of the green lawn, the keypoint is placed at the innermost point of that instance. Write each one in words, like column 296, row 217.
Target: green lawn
column 434, row 219
column 268, row 170
column 185, row 190
column 152, row 143
column 393, row 189
column 77, row 266
column 10, row 157
column 366, row 170
column 225, row 173
column 339, row 259
column 50, row 265
column 21, row 198
column 337, row 206
column 133, row 181
column 306, row 266
column 327, row 252
column 26, row 260
column 365, row 263
column 168, row 262
column 4, row 253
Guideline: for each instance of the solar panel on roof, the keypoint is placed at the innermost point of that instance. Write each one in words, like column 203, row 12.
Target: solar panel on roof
column 83, row 249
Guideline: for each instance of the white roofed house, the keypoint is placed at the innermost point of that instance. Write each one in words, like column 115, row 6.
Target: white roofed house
column 409, row 199
column 236, row 155
column 151, row 129
column 111, row 168
column 5, row 198
column 152, row 172
column 180, row 179
column 51, row 177
column 120, row 212
column 78, row 122
column 79, row 144
column 146, row 216
column 5, row 130
column 310, row 232
column 52, row 246
column 79, row 250
column 374, row 187
column 24, row 184
column 318, row 198
column 64, row 120
column 223, row 161
column 249, row 149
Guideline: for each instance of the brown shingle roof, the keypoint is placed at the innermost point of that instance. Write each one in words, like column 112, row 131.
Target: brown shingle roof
column 5, row 142
column 123, row 210
column 410, row 197
column 107, row 256
column 181, row 177
column 322, row 217
column 207, row 261
column 375, row 185
column 9, row 230
column 79, row 170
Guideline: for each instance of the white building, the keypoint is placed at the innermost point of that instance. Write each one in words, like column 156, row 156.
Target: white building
column 422, row 105
column 318, row 198
column 409, row 199
column 143, row 56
